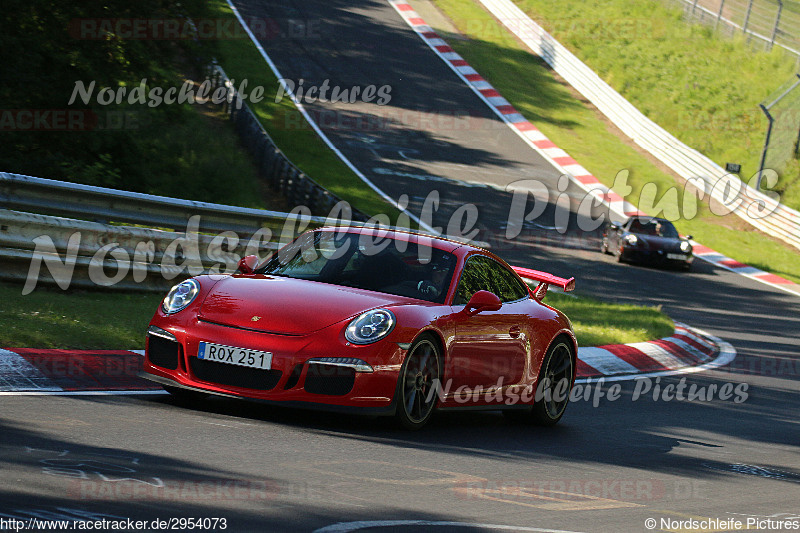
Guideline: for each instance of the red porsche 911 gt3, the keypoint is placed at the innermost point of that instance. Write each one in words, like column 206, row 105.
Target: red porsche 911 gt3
column 372, row 320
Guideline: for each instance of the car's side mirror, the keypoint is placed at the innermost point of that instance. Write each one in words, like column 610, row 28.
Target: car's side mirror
column 614, row 226
column 248, row 264
column 483, row 301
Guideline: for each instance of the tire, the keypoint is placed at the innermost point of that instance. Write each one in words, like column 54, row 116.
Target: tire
column 184, row 395
column 419, row 375
column 558, row 366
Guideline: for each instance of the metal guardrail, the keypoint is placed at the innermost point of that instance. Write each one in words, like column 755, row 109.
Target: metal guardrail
column 38, row 244
column 51, row 197
column 781, row 222
column 90, row 249
column 71, row 253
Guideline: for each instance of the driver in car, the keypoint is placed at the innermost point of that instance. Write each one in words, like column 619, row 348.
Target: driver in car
column 434, row 286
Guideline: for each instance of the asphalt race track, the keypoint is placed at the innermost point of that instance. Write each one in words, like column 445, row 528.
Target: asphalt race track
column 609, row 466
column 434, row 135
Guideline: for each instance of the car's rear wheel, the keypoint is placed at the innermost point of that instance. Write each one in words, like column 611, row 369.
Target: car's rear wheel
column 554, row 384
column 417, row 383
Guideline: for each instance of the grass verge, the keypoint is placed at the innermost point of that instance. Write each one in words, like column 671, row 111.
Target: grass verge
column 569, row 121
column 51, row 318
column 702, row 87
column 598, row 323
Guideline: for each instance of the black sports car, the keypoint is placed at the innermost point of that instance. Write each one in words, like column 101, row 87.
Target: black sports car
column 648, row 240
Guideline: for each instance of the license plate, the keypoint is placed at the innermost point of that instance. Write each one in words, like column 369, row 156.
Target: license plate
column 234, row 356
column 677, row 257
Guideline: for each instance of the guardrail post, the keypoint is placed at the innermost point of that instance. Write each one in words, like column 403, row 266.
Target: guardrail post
column 719, row 14
column 747, row 16
column 797, row 142
column 766, row 144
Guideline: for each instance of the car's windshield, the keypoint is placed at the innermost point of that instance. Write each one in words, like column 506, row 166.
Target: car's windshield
column 365, row 262
column 658, row 228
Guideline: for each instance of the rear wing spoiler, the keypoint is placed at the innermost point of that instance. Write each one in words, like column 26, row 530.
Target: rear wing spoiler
column 545, row 279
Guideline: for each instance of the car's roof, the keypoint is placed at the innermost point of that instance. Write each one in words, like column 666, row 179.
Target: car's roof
column 649, row 218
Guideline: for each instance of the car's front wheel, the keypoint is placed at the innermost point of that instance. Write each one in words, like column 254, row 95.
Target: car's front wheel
column 418, row 383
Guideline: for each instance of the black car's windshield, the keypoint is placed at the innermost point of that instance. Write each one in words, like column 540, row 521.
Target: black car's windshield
column 658, row 228
column 365, row 262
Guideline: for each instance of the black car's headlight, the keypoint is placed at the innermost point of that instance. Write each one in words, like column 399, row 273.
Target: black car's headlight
column 369, row 327
column 686, row 247
column 180, row 296
column 631, row 239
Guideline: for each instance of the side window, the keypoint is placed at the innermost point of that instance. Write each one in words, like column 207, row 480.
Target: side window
column 471, row 281
column 508, row 286
column 483, row 273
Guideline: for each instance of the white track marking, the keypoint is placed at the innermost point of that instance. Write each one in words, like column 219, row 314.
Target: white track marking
column 314, row 125
column 605, row 361
column 16, row 373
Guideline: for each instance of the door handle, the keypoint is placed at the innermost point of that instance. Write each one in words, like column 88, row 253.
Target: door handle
column 515, row 331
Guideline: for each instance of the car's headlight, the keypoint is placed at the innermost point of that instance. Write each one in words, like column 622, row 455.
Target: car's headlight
column 686, row 247
column 370, row 326
column 631, row 239
column 180, row 296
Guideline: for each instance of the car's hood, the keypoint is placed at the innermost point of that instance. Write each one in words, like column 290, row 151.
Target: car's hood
column 284, row 305
column 659, row 243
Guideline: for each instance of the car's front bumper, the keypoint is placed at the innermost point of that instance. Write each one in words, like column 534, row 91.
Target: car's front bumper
column 294, row 377
column 655, row 257
column 383, row 410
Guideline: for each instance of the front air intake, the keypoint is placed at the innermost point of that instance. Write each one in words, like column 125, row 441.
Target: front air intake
column 329, row 379
column 162, row 352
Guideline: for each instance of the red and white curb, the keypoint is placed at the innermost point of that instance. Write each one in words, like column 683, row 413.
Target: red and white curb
column 557, row 157
column 537, row 140
column 707, row 254
column 26, row 371
column 29, row 371
column 687, row 350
